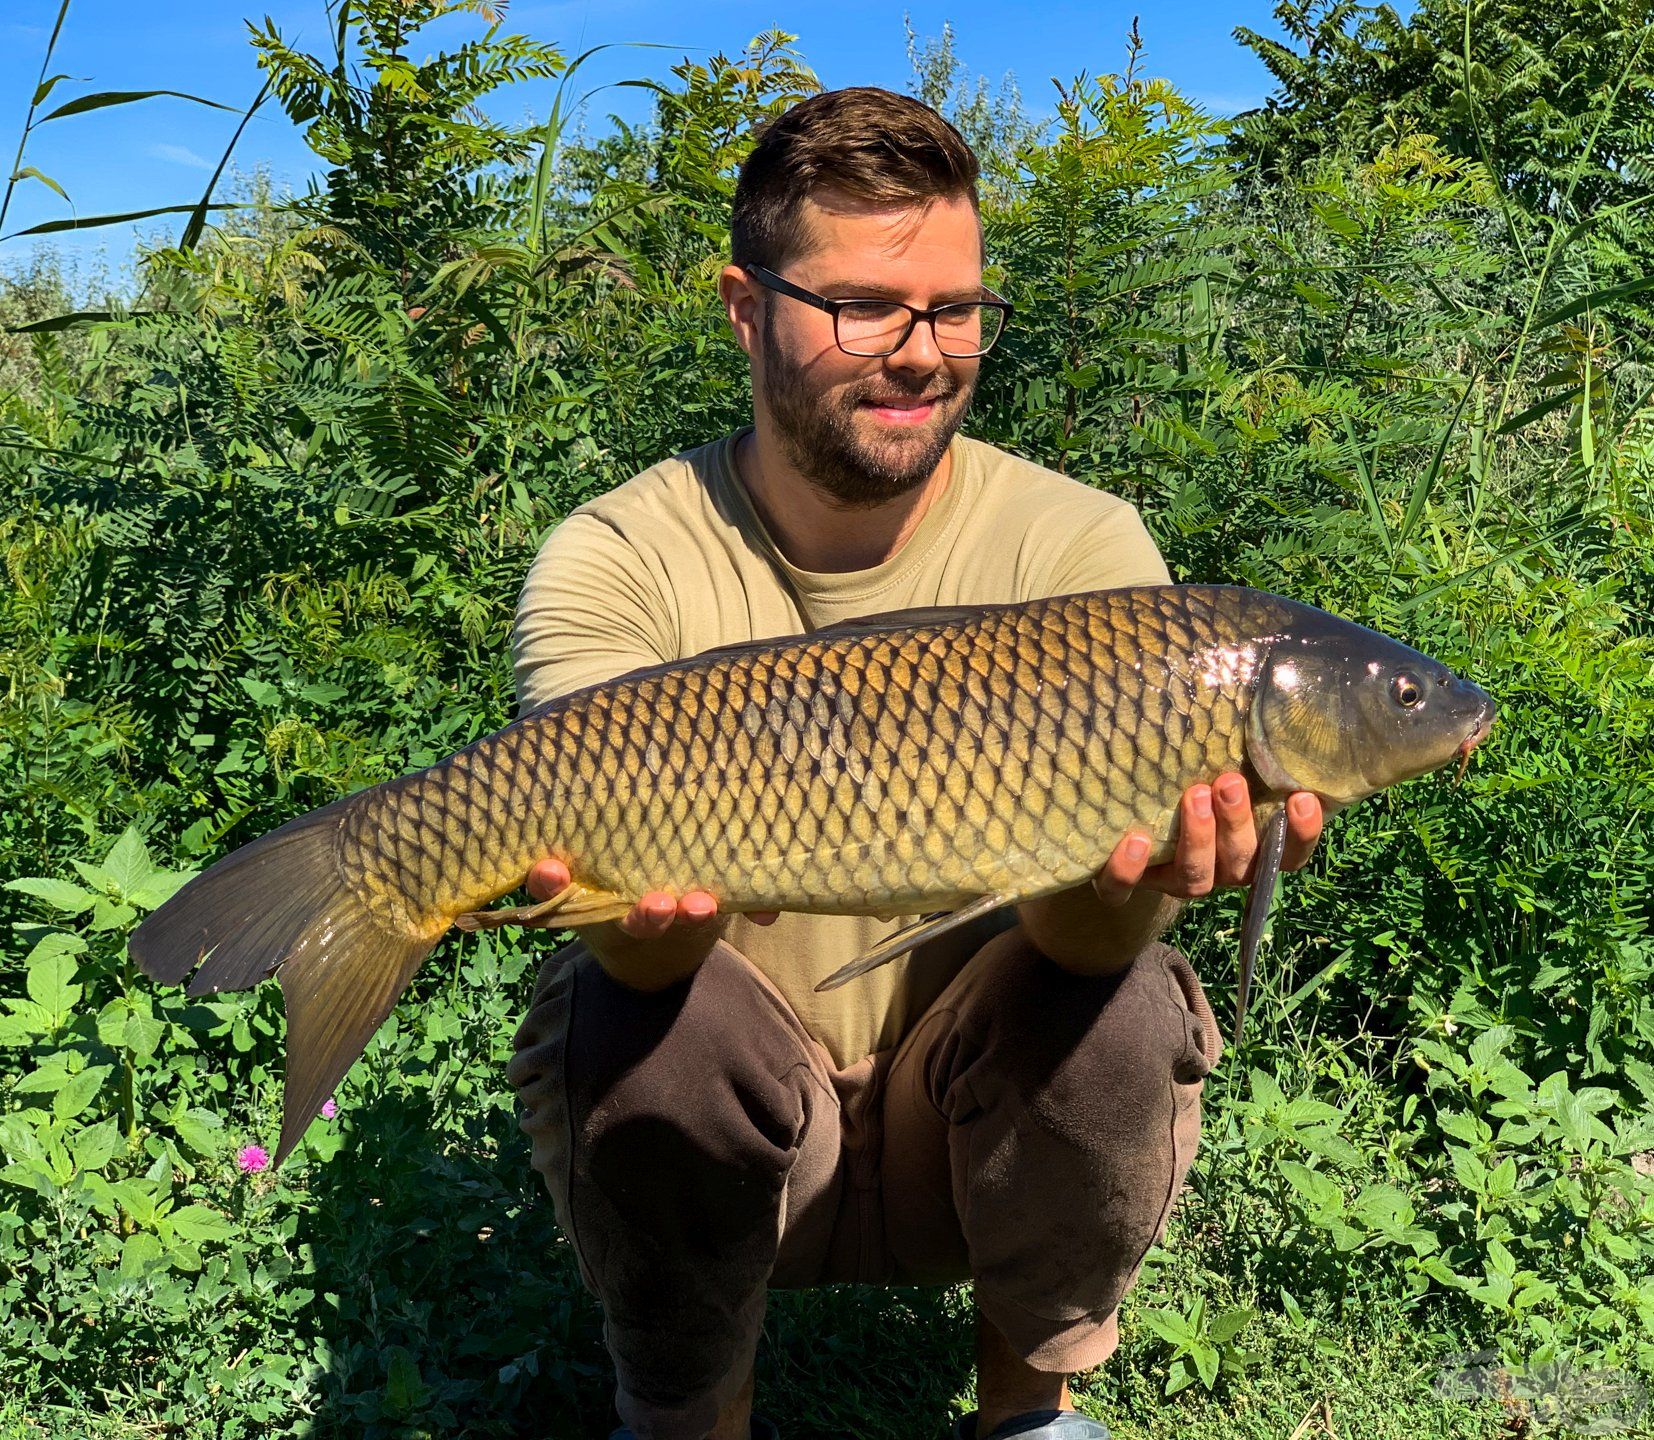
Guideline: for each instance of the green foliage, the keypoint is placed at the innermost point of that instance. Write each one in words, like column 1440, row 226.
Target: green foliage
column 268, row 520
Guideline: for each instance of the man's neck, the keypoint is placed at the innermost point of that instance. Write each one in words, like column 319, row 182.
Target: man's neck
column 812, row 531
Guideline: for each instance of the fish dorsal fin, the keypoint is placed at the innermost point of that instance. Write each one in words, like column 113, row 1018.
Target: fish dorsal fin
column 886, row 622
column 930, row 617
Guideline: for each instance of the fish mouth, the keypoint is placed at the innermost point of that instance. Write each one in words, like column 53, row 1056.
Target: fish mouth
column 1478, row 733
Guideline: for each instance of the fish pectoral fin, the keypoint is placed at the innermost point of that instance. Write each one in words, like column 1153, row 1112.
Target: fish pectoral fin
column 576, row 903
column 1265, row 874
column 910, row 937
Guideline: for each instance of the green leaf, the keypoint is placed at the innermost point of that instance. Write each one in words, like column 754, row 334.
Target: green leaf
column 50, row 985
column 45, row 88
column 26, row 1024
column 1169, row 1326
column 109, row 915
column 141, row 1254
column 260, row 692
column 103, row 99
column 94, row 1148
column 1321, row 1192
column 1229, row 1324
column 128, row 864
column 404, row 1388
column 91, row 222
column 1596, row 300
column 159, row 888
column 28, row 172
column 142, row 1035
column 138, row 1198
column 59, row 894
column 80, row 1092
column 71, row 321
column 47, row 1079
column 201, row 1130
column 199, row 1222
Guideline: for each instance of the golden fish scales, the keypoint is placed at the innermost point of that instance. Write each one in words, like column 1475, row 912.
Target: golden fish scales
column 859, row 773
column 949, row 760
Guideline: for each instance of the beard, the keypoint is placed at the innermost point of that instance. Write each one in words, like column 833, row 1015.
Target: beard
column 823, row 438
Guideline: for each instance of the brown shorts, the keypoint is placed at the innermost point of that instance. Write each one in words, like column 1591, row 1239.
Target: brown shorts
column 1030, row 1134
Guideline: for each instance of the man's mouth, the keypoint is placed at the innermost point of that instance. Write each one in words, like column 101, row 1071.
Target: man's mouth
column 902, row 409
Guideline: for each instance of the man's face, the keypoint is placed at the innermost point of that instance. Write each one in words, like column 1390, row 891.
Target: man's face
column 864, row 430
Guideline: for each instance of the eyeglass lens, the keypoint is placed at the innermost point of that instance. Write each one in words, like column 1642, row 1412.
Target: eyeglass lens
column 872, row 328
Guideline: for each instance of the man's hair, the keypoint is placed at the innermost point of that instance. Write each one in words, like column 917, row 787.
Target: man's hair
column 868, row 144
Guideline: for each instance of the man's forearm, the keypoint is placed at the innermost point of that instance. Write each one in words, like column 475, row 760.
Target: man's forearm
column 1077, row 930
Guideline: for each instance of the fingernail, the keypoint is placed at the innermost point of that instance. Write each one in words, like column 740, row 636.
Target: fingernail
column 1137, row 848
column 1202, row 803
column 1302, row 806
column 1232, row 790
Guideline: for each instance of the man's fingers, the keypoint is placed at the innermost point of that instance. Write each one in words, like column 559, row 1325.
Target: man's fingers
column 764, row 917
column 1237, row 835
column 1115, row 882
column 696, row 908
column 546, row 879
column 651, row 917
column 1303, row 829
column 1195, row 864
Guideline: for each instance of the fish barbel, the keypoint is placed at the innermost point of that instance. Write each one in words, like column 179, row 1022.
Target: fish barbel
column 942, row 760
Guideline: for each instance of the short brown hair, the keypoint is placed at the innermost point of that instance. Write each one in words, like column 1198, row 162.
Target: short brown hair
column 869, row 144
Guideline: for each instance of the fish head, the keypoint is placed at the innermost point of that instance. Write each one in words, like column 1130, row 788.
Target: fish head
column 1344, row 711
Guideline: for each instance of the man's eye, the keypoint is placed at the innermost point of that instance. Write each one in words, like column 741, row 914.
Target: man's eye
column 870, row 312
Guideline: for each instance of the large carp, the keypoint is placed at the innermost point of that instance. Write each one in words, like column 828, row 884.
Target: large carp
column 943, row 760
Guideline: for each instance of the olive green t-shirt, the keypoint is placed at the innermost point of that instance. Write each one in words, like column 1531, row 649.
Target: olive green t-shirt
column 676, row 561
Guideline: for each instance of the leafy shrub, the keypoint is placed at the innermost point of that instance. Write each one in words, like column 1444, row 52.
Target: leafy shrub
column 268, row 522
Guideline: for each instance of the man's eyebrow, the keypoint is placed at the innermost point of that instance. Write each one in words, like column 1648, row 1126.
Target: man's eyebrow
column 859, row 289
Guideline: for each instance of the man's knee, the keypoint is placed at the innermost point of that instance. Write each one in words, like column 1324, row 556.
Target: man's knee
column 1075, row 1102
column 1080, row 1047
column 682, row 1108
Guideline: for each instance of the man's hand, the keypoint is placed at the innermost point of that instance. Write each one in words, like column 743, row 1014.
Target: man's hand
column 651, row 917
column 662, row 939
column 1217, row 843
column 1098, row 929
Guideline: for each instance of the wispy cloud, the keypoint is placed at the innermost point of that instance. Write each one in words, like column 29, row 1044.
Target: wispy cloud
column 1228, row 104
column 180, row 155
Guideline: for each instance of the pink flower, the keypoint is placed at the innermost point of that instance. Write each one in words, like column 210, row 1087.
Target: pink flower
column 329, row 1110
column 252, row 1159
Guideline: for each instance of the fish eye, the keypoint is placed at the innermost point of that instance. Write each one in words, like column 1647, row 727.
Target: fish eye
column 1407, row 691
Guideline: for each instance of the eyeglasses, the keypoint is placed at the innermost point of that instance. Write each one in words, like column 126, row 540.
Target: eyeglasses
column 964, row 329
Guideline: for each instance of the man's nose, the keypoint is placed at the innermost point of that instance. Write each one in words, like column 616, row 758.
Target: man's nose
column 919, row 351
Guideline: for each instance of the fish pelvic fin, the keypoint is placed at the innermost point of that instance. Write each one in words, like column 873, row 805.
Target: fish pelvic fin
column 575, row 903
column 1266, row 874
column 280, row 906
column 910, row 937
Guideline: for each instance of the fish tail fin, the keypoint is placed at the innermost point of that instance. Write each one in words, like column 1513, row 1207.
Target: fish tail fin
column 281, row 906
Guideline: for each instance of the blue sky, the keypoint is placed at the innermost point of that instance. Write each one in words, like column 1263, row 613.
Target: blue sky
column 162, row 151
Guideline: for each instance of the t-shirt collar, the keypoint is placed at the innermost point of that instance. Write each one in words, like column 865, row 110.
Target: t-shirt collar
column 836, row 588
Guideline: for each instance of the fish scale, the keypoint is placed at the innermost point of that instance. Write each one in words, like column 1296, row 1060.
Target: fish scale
column 933, row 760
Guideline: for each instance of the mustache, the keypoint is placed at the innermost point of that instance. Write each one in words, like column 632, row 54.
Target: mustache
column 884, row 390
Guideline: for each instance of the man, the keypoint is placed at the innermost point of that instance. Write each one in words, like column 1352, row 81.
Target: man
column 1016, row 1105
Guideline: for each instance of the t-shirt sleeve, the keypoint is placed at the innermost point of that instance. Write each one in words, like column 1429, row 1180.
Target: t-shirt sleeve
column 1110, row 550
column 588, row 611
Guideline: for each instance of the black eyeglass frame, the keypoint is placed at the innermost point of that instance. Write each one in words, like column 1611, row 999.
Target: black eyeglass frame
column 782, row 286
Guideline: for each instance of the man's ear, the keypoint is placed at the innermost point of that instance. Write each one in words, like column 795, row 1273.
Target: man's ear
column 739, row 292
